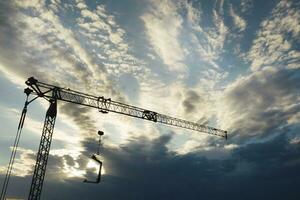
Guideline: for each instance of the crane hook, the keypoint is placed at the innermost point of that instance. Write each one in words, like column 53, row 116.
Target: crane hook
column 96, row 159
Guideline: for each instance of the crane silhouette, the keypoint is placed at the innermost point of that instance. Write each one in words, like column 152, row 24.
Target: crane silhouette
column 53, row 94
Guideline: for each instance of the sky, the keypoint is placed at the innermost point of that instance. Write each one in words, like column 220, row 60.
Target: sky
column 233, row 65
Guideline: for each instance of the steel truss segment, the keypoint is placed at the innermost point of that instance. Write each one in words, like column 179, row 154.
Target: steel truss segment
column 43, row 153
column 107, row 105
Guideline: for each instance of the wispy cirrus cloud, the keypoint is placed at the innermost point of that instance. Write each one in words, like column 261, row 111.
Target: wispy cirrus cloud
column 56, row 53
column 163, row 26
column 206, row 43
column 276, row 41
column 238, row 21
column 262, row 104
column 246, row 6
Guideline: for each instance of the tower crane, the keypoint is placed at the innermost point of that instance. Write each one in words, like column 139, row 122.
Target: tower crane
column 54, row 93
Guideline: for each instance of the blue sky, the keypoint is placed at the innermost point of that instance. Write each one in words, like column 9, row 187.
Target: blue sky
column 228, row 64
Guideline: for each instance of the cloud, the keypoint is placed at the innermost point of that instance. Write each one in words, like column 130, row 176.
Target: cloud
column 23, row 165
column 83, row 120
column 204, row 43
column 239, row 22
column 190, row 100
column 198, row 105
column 260, row 109
column 273, row 46
column 54, row 53
column 261, row 104
column 46, row 44
column 163, row 25
column 108, row 41
column 246, row 6
column 141, row 164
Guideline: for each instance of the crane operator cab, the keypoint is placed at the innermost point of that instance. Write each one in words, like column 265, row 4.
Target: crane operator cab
column 96, row 158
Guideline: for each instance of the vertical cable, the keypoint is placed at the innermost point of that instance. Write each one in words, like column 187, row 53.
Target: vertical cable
column 14, row 151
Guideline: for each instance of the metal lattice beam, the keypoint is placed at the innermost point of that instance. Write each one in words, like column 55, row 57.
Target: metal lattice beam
column 43, row 153
column 107, row 105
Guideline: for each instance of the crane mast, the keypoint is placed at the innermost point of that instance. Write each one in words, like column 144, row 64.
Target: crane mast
column 54, row 93
column 43, row 152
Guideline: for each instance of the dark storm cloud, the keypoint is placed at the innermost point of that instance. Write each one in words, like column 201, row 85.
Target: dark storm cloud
column 264, row 102
column 193, row 103
column 80, row 116
column 145, row 169
column 69, row 160
column 190, row 101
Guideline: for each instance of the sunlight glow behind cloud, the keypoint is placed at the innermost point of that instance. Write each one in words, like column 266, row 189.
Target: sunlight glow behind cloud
column 230, row 65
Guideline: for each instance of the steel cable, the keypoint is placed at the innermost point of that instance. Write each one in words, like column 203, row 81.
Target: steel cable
column 14, row 152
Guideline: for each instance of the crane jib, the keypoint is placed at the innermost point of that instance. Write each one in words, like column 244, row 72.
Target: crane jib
column 105, row 105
